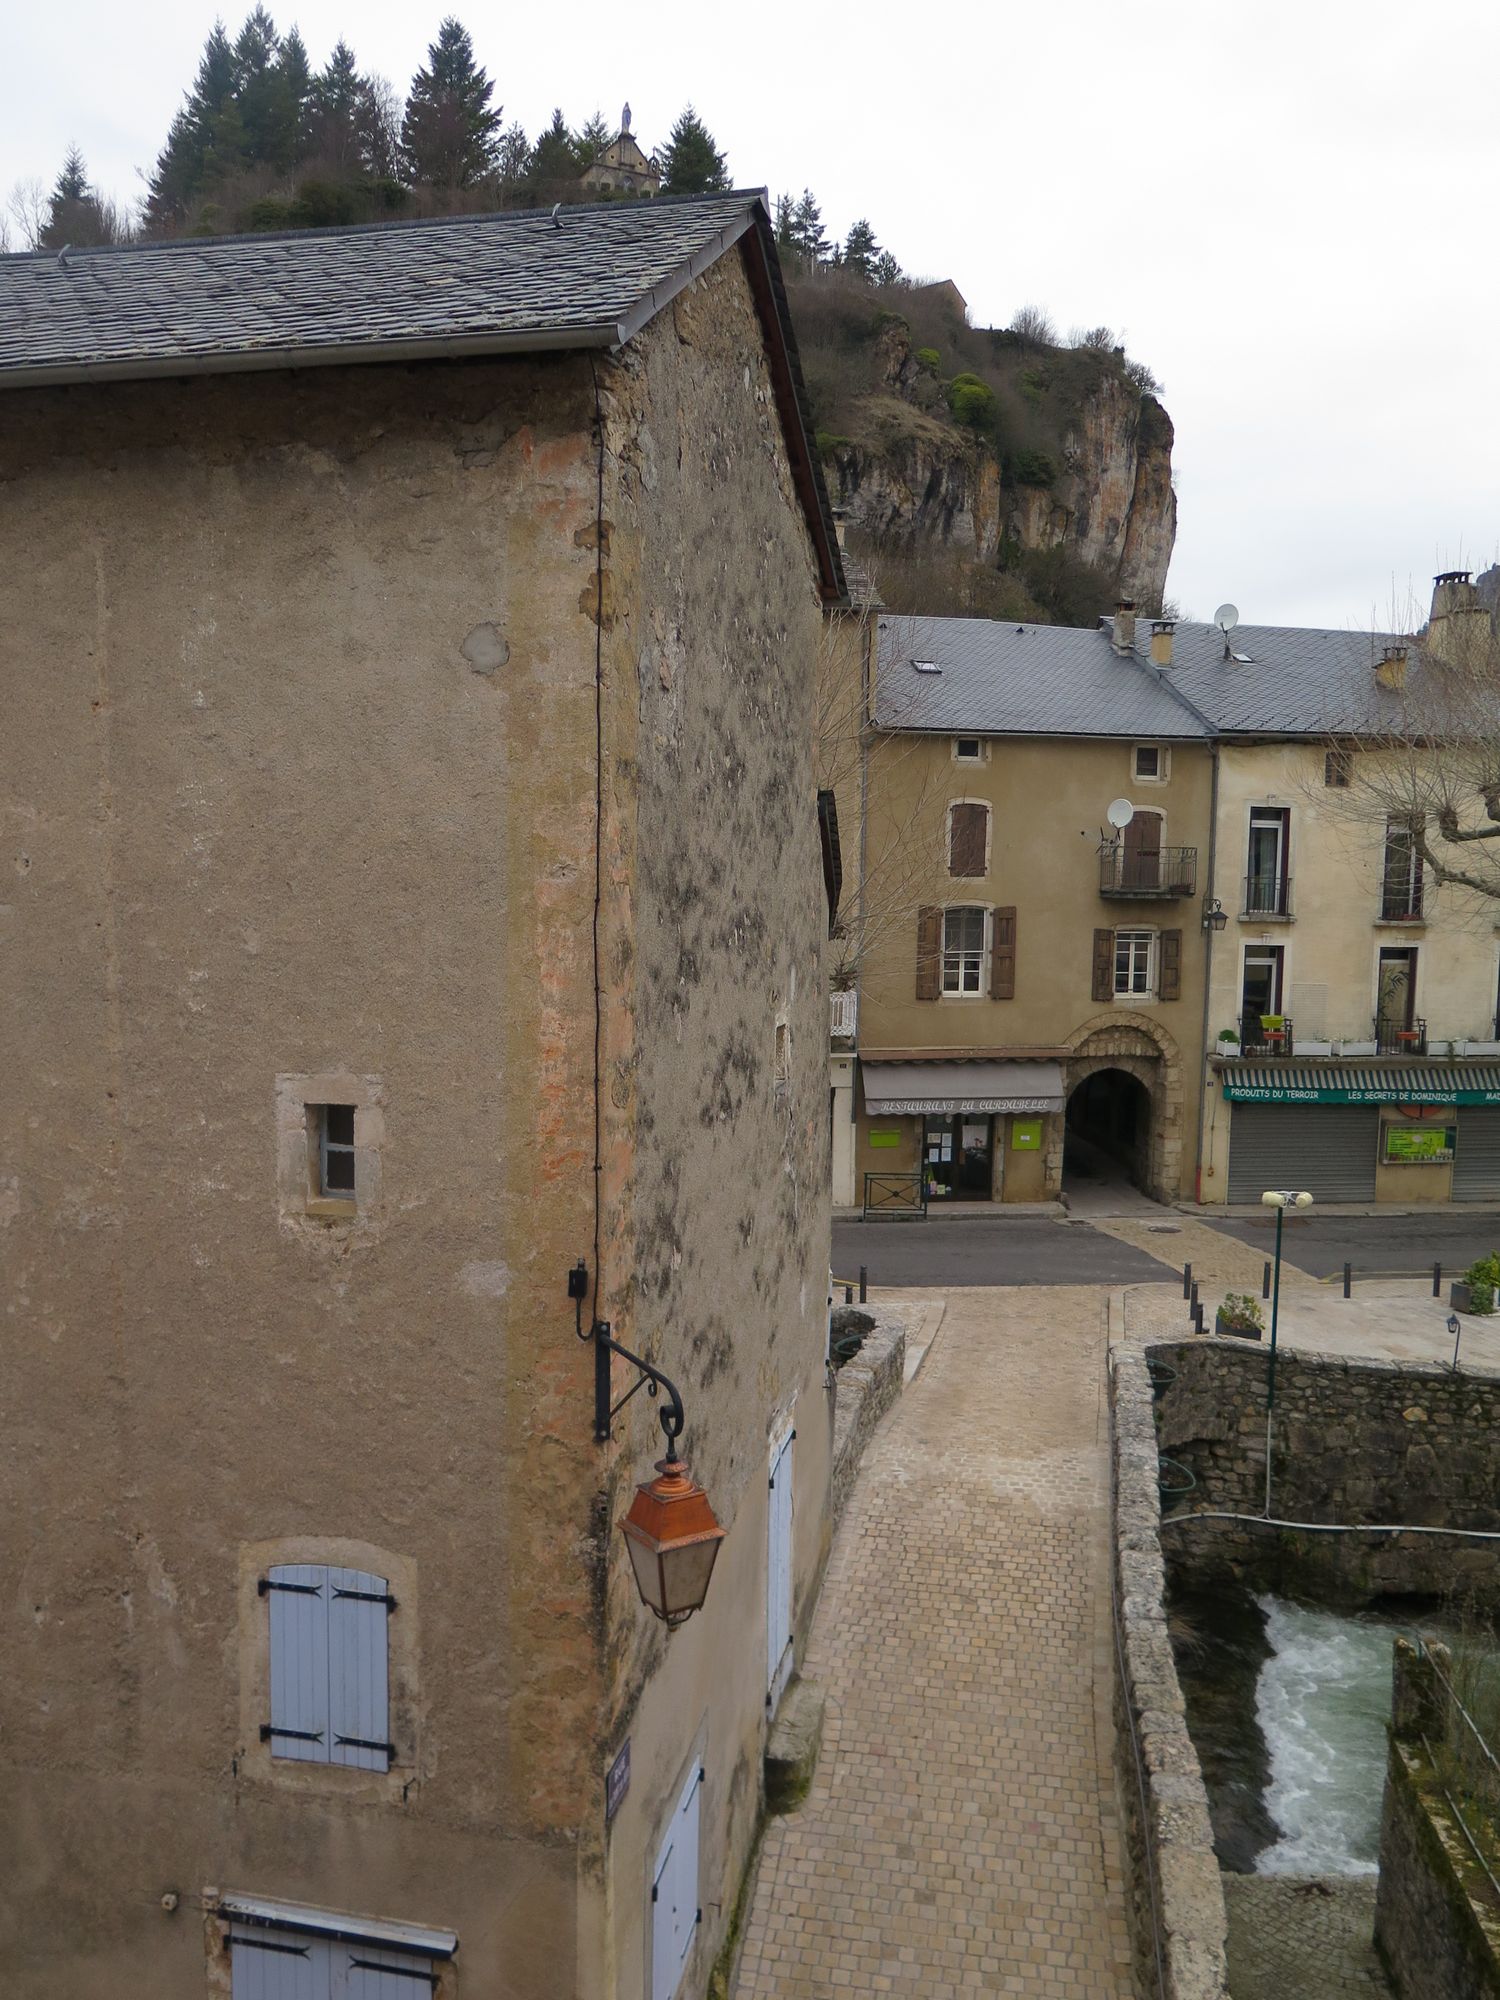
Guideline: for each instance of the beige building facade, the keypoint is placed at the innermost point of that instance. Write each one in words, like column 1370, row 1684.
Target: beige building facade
column 358, row 1002
column 1031, row 973
column 1149, row 891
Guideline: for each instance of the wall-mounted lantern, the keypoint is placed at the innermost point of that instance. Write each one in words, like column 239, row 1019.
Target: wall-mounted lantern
column 1215, row 916
column 670, row 1530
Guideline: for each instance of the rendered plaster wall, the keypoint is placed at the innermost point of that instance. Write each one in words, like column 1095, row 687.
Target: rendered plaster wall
column 715, row 1259
column 299, row 684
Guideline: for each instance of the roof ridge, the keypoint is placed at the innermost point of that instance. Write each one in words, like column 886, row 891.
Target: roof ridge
column 392, row 225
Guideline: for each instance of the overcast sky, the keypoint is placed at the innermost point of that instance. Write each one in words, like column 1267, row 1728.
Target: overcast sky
column 1288, row 210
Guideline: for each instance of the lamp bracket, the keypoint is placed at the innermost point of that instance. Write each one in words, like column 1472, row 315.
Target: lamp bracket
column 650, row 1379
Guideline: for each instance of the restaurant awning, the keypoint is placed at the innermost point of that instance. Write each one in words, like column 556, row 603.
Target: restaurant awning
column 1333, row 1083
column 894, row 1090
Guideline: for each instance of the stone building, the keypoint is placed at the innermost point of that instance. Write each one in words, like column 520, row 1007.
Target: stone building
column 415, row 901
column 622, row 168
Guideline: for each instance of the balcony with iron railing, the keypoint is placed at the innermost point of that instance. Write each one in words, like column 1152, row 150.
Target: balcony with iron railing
column 1400, row 1035
column 1267, row 896
column 1265, row 1034
column 1147, row 874
column 843, row 1011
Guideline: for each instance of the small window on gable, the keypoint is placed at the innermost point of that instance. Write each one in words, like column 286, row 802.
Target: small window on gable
column 1338, row 767
column 1151, row 763
column 329, row 1652
column 334, row 1132
column 968, row 750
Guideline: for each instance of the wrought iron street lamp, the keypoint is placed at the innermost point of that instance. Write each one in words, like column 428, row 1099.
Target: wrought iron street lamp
column 1281, row 1199
column 1215, row 916
column 670, row 1530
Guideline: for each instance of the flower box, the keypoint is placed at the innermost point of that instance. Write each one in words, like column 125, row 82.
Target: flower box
column 1312, row 1048
column 1236, row 1327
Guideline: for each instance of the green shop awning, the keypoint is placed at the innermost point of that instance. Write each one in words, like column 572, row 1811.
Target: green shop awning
column 1333, row 1083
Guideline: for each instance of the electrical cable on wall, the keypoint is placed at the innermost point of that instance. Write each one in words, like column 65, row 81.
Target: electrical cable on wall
column 598, row 835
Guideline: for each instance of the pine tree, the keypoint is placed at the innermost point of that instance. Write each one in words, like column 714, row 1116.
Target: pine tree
column 183, row 163
column 808, row 237
column 592, row 140
column 692, row 164
column 334, row 110
column 554, row 159
column 515, row 156
column 786, row 243
column 885, row 270
column 76, row 216
column 861, row 248
column 450, row 134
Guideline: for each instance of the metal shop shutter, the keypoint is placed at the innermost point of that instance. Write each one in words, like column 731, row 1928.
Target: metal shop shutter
column 1476, row 1163
column 1329, row 1149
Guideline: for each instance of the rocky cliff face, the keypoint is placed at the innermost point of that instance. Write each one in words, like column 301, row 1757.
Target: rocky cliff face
column 911, row 480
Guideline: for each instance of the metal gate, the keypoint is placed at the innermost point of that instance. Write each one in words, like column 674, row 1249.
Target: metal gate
column 1476, row 1161
column 1329, row 1149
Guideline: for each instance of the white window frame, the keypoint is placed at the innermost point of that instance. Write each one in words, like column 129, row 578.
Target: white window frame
column 981, row 754
column 1139, row 935
column 1163, row 771
column 337, row 1150
column 981, row 974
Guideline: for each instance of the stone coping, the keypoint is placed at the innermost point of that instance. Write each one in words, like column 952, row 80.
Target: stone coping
column 864, row 1389
column 1172, row 1871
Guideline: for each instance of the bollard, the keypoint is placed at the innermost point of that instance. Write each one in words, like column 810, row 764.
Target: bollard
column 1437, row 1281
column 863, row 1286
column 1265, row 1280
column 1194, row 1296
column 848, row 1295
column 1187, row 1281
column 1197, row 1315
column 1348, row 1278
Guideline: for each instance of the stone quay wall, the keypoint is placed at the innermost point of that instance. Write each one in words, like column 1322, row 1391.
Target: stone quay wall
column 1176, row 1900
column 1366, row 1444
column 1437, row 1914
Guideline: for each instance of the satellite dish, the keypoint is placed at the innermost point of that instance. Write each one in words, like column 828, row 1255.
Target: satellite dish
column 1227, row 617
column 1121, row 813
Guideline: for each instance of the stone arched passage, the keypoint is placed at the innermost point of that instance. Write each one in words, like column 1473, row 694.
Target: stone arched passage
column 1143, row 1049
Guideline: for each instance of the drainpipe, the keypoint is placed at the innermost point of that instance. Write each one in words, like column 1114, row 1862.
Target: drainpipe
column 1208, row 965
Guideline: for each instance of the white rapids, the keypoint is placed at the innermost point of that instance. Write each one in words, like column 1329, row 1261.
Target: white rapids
column 1323, row 1700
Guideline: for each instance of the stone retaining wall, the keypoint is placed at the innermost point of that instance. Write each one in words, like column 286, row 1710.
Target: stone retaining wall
column 1176, row 1901
column 1354, row 1441
column 866, row 1388
column 1437, row 1924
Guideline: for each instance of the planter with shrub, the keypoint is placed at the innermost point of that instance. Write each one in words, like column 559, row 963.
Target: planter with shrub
column 1240, row 1315
column 1475, row 1291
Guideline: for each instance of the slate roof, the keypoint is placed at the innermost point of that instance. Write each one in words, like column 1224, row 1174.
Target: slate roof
column 461, row 285
column 1010, row 680
column 1051, row 680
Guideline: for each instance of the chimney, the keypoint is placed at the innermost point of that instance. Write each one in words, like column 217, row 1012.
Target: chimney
column 1161, row 641
column 1122, row 638
column 1390, row 668
column 1458, row 626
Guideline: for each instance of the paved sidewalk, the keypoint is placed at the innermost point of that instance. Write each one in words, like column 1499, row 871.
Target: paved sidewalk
column 959, row 1837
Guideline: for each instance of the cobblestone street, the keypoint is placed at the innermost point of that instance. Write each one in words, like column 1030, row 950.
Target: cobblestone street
column 960, row 1834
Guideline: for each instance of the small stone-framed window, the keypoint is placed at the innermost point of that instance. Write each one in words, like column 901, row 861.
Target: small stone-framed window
column 1151, row 764
column 329, row 1133
column 968, row 749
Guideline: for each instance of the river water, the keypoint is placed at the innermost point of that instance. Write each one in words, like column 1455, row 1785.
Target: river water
column 1322, row 1700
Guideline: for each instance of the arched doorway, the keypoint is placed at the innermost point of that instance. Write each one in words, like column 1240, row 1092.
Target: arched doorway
column 1107, row 1131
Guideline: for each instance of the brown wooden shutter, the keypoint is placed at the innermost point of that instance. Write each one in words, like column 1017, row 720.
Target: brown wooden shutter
column 967, row 827
column 1104, row 965
column 1003, row 955
column 1170, row 983
column 929, row 953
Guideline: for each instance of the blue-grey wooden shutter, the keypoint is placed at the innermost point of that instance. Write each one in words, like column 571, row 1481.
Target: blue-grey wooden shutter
column 297, row 1596
column 279, row 1965
column 779, row 1573
column 359, row 1608
column 372, row 1974
column 674, row 1894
